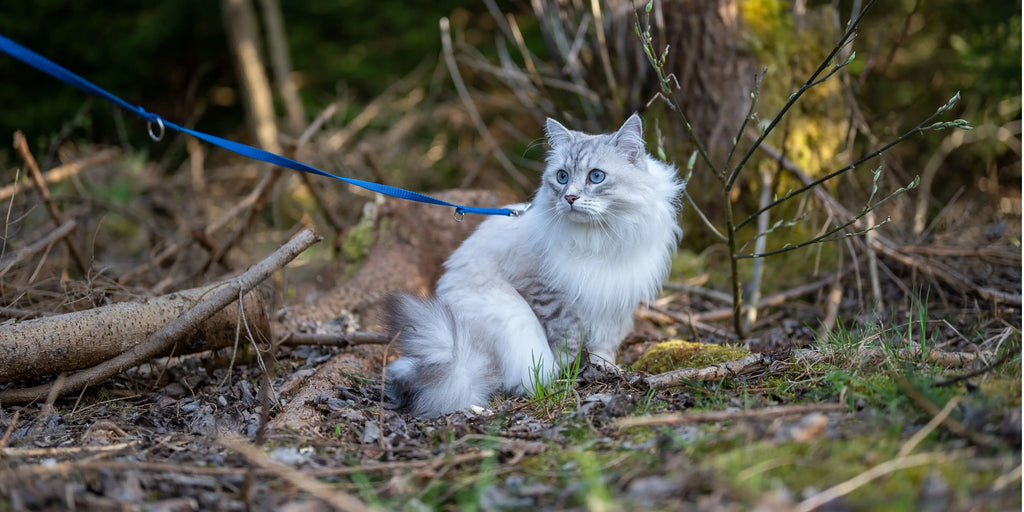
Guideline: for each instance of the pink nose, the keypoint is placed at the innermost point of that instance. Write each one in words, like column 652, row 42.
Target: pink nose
column 571, row 199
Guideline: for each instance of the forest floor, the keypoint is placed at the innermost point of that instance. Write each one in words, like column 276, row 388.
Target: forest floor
column 915, row 406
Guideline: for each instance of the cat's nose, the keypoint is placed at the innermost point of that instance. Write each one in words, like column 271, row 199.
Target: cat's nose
column 571, row 199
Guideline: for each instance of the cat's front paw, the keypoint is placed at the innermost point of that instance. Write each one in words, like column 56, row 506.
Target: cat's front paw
column 601, row 369
column 604, row 363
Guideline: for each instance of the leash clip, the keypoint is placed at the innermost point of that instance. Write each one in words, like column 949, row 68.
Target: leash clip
column 157, row 137
column 516, row 213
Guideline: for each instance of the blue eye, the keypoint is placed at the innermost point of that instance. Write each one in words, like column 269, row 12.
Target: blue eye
column 562, row 176
column 596, row 176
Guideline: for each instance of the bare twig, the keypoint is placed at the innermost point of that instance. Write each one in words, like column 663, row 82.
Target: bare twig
column 341, row 340
column 728, row 370
column 261, row 192
column 919, row 436
column 10, row 429
column 775, row 299
column 66, row 450
column 58, row 174
column 694, row 324
column 946, row 274
column 866, row 354
column 954, row 426
column 21, row 145
column 875, row 472
column 992, row 255
column 333, row 497
column 175, row 330
column 460, row 87
column 980, row 371
column 23, row 471
column 30, row 250
column 763, row 362
column 682, row 418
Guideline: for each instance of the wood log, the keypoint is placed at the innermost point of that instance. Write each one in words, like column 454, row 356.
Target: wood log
column 73, row 341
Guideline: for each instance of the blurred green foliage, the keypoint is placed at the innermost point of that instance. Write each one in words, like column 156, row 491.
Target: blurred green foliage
column 171, row 57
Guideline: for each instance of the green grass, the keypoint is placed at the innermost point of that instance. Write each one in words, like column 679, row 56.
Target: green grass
column 556, row 387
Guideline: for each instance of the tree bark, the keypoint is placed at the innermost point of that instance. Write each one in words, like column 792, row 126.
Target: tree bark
column 73, row 341
column 164, row 338
column 243, row 35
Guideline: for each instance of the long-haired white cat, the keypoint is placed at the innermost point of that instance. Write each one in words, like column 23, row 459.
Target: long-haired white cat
column 522, row 295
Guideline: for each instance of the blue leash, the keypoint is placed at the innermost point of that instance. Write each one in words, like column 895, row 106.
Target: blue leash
column 55, row 70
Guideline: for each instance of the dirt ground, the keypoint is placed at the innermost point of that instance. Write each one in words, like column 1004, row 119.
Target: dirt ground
column 881, row 423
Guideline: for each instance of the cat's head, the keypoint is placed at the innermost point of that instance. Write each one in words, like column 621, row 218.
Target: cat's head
column 594, row 179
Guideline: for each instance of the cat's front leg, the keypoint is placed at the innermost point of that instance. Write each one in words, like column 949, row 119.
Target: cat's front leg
column 605, row 361
column 504, row 325
column 605, row 344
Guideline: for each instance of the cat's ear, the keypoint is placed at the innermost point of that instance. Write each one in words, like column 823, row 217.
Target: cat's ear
column 629, row 139
column 557, row 134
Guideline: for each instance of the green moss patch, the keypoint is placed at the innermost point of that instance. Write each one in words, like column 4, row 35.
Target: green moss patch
column 672, row 354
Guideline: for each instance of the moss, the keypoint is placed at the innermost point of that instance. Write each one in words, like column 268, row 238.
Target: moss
column 673, row 354
column 358, row 241
column 753, row 468
column 1003, row 389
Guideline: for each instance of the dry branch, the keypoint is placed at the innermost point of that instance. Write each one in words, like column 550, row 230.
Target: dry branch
column 164, row 338
column 342, row 340
column 775, row 299
column 474, row 114
column 21, row 145
column 921, row 459
column 73, row 341
column 58, row 174
column 337, row 499
column 678, row 418
column 954, row 426
column 763, row 362
column 731, row 369
column 946, row 274
column 31, row 250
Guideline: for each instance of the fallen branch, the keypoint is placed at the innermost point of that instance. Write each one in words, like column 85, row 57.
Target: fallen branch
column 875, row 472
column 680, row 418
column 728, row 370
column 21, row 145
column 341, row 340
column 946, row 274
column 58, row 174
column 37, row 470
column 73, row 341
column 31, row 250
column 337, row 499
column 876, row 354
column 954, row 426
column 755, row 363
column 170, row 333
column 775, row 299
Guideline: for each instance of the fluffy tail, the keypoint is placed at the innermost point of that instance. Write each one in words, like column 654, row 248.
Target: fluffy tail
column 440, row 371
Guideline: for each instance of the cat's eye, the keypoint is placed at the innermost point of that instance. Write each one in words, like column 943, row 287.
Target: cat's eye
column 562, row 176
column 596, row 176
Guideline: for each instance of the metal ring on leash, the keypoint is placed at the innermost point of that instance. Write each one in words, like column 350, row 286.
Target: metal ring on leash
column 516, row 213
column 149, row 126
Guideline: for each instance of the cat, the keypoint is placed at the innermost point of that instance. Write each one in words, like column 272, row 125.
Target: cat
column 524, row 295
